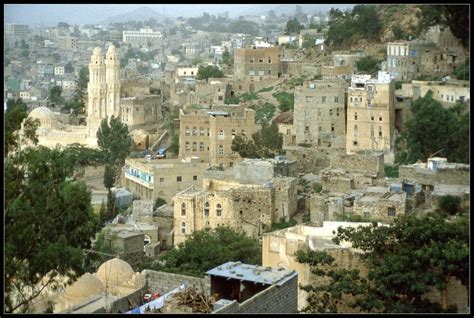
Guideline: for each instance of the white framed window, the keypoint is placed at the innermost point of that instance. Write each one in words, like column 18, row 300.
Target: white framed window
column 186, row 145
column 221, row 150
column 183, row 228
column 218, row 209
column 206, row 209
column 183, row 209
column 221, row 135
column 187, row 132
column 201, row 146
column 201, row 131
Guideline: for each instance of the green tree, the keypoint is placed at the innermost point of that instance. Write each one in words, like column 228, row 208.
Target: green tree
column 449, row 204
column 206, row 249
column 462, row 72
column 104, row 249
column 48, row 221
column 434, row 130
column 159, row 202
column 227, row 59
column 14, row 116
column 210, row 71
column 404, row 260
column 282, row 224
column 293, row 26
column 109, row 176
column 265, row 143
column 368, row 64
column 114, row 140
column 286, row 100
column 55, row 95
column 398, row 33
column 245, row 148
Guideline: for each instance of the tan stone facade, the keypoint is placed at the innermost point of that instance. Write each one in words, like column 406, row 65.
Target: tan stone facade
column 141, row 110
column 209, row 134
column 256, row 64
column 319, row 113
column 150, row 179
column 370, row 114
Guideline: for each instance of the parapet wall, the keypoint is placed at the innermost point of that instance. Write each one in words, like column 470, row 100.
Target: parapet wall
column 163, row 282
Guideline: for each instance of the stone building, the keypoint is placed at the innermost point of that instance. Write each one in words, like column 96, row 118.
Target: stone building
column 212, row 92
column 144, row 37
column 381, row 204
column 370, row 114
column 151, row 179
column 141, row 110
column 209, row 134
column 404, row 58
column 241, row 198
column 128, row 244
column 447, row 93
column 254, row 64
column 319, row 113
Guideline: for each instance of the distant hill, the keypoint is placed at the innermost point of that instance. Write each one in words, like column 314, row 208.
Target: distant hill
column 139, row 14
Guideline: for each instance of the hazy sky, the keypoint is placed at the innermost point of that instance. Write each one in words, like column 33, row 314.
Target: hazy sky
column 51, row 14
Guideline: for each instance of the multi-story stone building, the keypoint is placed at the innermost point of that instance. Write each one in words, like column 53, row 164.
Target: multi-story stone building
column 404, row 58
column 319, row 114
column 162, row 178
column 254, row 64
column 144, row 37
column 141, row 110
column 370, row 113
column 209, row 134
column 446, row 92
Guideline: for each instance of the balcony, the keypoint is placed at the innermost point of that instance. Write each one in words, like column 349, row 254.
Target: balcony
column 133, row 178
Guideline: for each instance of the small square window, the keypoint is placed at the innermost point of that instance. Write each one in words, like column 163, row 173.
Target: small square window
column 195, row 177
column 162, row 180
column 391, row 211
column 355, row 143
column 179, row 178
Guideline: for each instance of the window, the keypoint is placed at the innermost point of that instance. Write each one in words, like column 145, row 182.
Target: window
column 269, row 60
column 187, row 132
column 162, row 180
column 201, row 146
column 252, row 60
column 218, row 209
column 366, row 214
column 323, row 99
column 309, row 99
column 380, row 118
column 208, row 132
column 195, row 178
column 372, row 118
column 319, row 128
column 243, row 133
column 201, row 131
column 332, row 127
column 354, row 143
column 372, row 132
column 186, row 146
column 355, row 116
column 221, row 135
column 233, row 134
column 179, row 178
column 336, row 99
column 330, row 112
column 183, row 209
column 183, row 228
column 221, row 150
column 260, row 60
column 194, row 131
column 194, row 146
column 391, row 211
column 319, row 112
column 380, row 131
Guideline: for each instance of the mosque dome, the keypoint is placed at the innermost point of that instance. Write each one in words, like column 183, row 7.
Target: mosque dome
column 97, row 50
column 86, row 286
column 44, row 115
column 115, row 272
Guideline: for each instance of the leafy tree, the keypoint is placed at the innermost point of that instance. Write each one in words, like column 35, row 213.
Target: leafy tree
column 245, row 148
column 272, row 15
column 109, row 176
column 286, row 100
column 404, row 260
column 398, row 33
column 265, row 143
column 227, row 59
column 210, row 71
column 197, row 60
column 462, row 72
column 435, row 130
column 282, row 224
column 206, row 249
column 449, row 204
column 368, row 64
column 48, row 221
column 114, row 140
column 159, row 202
column 293, row 26
column 55, row 95
column 14, row 116
column 104, row 248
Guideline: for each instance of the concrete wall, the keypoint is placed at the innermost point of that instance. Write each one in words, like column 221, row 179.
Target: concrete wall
column 274, row 299
column 163, row 282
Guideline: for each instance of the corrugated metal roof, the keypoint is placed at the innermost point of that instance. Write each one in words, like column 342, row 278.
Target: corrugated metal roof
column 252, row 273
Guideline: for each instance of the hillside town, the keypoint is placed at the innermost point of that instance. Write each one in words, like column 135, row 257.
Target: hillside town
column 290, row 160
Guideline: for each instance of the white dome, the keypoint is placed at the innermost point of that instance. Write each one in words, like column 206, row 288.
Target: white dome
column 86, row 286
column 41, row 113
column 115, row 272
column 97, row 50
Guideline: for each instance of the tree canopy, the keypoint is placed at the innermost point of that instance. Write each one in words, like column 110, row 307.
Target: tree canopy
column 266, row 143
column 293, row 26
column 114, row 140
column 368, row 65
column 405, row 261
column 435, row 130
column 15, row 115
column 48, row 221
column 55, row 95
column 210, row 71
column 206, row 249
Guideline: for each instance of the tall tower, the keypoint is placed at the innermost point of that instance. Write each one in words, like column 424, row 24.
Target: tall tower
column 96, row 90
column 112, row 78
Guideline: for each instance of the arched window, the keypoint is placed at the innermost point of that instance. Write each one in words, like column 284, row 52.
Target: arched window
column 183, row 209
column 218, row 209
column 221, row 150
column 206, row 209
column 194, row 146
column 201, row 146
column 221, row 135
column 201, row 131
column 183, row 228
column 355, row 116
column 187, row 132
column 186, row 145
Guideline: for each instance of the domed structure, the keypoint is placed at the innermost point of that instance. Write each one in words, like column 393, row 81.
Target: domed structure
column 97, row 50
column 86, row 286
column 115, row 272
column 111, row 49
column 44, row 115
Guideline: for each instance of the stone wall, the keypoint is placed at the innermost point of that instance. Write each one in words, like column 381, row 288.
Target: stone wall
column 164, row 282
column 368, row 164
column 310, row 160
column 433, row 177
column 274, row 299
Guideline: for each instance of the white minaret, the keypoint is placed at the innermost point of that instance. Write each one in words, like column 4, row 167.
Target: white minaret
column 112, row 78
column 96, row 90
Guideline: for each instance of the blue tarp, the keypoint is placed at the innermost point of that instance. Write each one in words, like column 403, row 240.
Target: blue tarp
column 161, row 151
column 159, row 302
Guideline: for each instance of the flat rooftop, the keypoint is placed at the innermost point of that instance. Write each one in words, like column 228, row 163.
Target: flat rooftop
column 252, row 273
